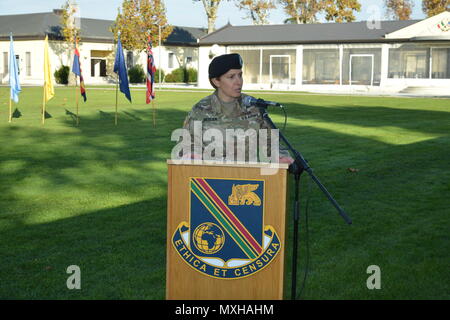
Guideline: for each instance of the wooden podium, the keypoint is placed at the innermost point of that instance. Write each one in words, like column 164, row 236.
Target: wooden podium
column 226, row 226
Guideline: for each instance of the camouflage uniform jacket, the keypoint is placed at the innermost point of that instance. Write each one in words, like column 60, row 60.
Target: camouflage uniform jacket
column 214, row 113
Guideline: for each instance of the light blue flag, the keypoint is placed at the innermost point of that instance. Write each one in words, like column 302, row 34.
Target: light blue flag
column 13, row 72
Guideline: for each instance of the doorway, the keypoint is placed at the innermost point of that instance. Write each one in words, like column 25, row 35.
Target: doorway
column 98, row 67
column 280, row 70
column 361, row 69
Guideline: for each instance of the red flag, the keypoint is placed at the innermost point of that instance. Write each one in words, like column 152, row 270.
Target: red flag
column 151, row 70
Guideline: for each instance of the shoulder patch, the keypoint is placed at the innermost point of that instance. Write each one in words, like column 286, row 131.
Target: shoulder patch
column 203, row 105
column 202, row 109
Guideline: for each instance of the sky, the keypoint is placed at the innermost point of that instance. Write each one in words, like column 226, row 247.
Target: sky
column 187, row 13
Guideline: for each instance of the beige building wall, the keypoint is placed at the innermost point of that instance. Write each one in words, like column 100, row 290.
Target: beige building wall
column 97, row 60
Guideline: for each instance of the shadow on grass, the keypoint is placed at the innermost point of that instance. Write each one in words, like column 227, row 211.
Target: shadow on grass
column 120, row 248
column 120, row 252
column 16, row 114
column 96, row 158
column 371, row 116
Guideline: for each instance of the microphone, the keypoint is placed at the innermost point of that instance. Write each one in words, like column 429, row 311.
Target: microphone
column 251, row 101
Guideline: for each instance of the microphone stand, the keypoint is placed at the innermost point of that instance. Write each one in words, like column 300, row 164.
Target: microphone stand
column 296, row 168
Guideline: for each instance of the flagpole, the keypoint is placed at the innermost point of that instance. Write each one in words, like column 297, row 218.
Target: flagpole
column 49, row 91
column 159, row 73
column 117, row 92
column 154, row 113
column 10, row 110
column 117, row 80
column 76, row 98
column 43, row 106
column 13, row 77
column 159, row 53
column 76, row 80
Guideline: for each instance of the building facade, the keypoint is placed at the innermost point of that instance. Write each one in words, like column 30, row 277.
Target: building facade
column 97, row 48
column 383, row 56
column 387, row 56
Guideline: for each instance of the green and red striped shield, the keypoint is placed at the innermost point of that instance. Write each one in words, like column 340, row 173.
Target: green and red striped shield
column 226, row 237
column 241, row 223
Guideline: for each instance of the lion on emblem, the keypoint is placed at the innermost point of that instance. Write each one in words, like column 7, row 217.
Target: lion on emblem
column 243, row 195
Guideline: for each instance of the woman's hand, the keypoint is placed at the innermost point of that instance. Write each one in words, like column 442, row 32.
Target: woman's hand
column 191, row 156
column 287, row 160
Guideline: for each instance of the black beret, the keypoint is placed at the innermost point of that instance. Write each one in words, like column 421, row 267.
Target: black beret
column 221, row 64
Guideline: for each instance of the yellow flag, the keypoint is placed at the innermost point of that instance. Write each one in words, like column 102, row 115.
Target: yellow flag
column 49, row 91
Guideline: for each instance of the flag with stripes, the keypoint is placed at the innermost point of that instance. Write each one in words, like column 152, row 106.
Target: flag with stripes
column 76, row 69
column 151, row 70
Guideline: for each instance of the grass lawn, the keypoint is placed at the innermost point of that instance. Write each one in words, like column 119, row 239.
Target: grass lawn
column 95, row 195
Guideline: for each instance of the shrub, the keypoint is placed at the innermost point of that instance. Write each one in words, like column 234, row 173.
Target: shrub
column 191, row 75
column 177, row 75
column 182, row 75
column 136, row 74
column 62, row 75
column 157, row 75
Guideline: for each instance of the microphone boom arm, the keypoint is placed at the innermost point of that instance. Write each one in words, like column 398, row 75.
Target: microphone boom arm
column 297, row 167
column 300, row 164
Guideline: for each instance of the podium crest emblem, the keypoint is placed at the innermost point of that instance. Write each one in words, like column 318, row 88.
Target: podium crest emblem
column 244, row 195
column 226, row 237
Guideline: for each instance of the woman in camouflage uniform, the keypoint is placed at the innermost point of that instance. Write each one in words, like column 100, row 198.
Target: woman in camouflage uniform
column 224, row 110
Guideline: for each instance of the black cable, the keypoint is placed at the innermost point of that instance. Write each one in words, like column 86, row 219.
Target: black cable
column 308, row 197
column 285, row 118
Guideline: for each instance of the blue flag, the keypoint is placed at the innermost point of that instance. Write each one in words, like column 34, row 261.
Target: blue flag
column 13, row 72
column 121, row 69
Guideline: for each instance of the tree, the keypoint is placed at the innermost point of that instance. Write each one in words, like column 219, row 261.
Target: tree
column 302, row 11
column 258, row 10
column 399, row 9
column 434, row 7
column 211, row 7
column 306, row 11
column 139, row 19
column 341, row 10
column 69, row 30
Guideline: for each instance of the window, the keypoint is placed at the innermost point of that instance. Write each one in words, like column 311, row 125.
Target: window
column 409, row 61
column 28, row 63
column 440, row 60
column 363, row 62
column 321, row 66
column 130, row 62
column 251, row 68
column 188, row 60
column 5, row 63
column 278, row 66
column 171, row 59
column 268, row 66
column 18, row 63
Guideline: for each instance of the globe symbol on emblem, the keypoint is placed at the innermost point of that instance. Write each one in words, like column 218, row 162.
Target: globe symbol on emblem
column 208, row 238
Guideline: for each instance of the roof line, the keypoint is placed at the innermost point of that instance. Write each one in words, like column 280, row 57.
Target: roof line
column 228, row 43
column 24, row 14
column 321, row 23
column 228, row 25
